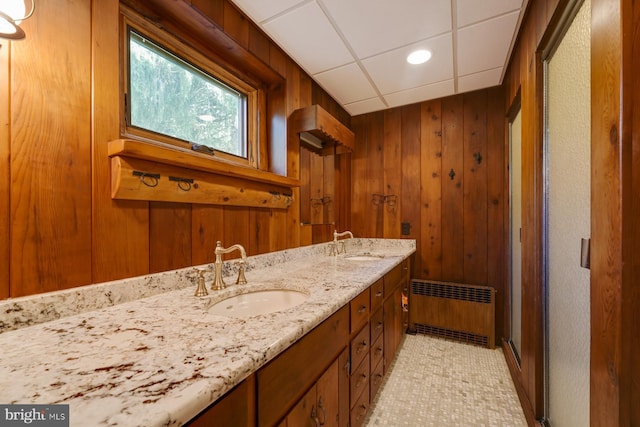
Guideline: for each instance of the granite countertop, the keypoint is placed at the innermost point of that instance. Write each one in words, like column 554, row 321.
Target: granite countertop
column 162, row 359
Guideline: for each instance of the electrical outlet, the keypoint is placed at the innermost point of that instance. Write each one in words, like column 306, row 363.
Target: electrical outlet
column 405, row 228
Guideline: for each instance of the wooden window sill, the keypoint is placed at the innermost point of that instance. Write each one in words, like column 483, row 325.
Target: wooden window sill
column 213, row 181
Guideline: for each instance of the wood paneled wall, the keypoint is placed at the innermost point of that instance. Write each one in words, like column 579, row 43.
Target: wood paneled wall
column 59, row 226
column 440, row 167
column 615, row 207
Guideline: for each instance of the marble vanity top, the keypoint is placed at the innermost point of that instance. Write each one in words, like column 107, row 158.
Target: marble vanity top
column 137, row 353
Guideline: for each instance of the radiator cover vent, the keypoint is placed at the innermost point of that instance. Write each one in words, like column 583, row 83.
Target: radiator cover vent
column 482, row 295
column 453, row 310
column 453, row 335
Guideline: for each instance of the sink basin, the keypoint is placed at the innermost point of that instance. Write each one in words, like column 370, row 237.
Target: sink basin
column 364, row 258
column 258, row 302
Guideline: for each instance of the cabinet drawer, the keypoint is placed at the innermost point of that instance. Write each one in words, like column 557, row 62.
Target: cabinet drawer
column 377, row 351
column 393, row 278
column 360, row 309
column 360, row 382
column 375, row 380
column 377, row 294
column 359, row 347
column 359, row 410
column 376, row 324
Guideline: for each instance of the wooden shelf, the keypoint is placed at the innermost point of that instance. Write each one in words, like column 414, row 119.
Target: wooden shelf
column 149, row 171
column 336, row 137
column 182, row 157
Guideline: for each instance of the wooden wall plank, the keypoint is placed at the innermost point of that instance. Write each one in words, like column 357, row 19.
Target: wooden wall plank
column 393, row 173
column 497, row 188
column 452, row 196
column 375, row 176
column 120, row 228
column 305, row 186
column 475, row 188
column 259, row 44
column 316, row 188
column 5, row 172
column 609, row 383
column 206, row 228
column 430, row 249
column 411, row 171
column 360, row 197
column 237, row 229
column 329, row 191
column 236, row 25
column 169, row 236
column 260, row 237
column 631, row 282
column 343, row 192
column 214, row 9
column 51, row 159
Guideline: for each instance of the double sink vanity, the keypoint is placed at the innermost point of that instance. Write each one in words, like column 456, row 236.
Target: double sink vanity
column 306, row 340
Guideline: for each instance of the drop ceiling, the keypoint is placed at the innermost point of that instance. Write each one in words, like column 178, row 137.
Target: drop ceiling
column 356, row 49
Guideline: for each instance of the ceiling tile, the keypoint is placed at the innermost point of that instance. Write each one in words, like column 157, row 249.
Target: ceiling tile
column 346, row 84
column 423, row 93
column 261, row 10
column 479, row 80
column 375, row 26
column 485, row 46
column 391, row 72
column 470, row 12
column 306, row 34
column 366, row 106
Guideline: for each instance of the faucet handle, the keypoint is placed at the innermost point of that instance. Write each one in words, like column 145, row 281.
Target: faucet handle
column 201, row 289
column 241, row 280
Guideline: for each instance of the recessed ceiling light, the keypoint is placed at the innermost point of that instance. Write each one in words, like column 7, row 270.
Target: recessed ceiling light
column 419, row 57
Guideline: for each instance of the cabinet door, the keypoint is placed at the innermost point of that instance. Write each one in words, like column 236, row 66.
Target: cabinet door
column 304, row 414
column 398, row 320
column 327, row 399
column 389, row 336
column 236, row 409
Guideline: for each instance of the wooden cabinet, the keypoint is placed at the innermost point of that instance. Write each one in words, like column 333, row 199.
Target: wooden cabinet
column 395, row 319
column 237, row 408
column 320, row 405
column 283, row 381
column 329, row 376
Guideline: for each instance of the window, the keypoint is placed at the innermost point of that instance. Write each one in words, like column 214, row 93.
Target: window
column 171, row 100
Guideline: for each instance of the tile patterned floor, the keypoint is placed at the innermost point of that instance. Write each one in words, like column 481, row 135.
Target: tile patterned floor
column 435, row 382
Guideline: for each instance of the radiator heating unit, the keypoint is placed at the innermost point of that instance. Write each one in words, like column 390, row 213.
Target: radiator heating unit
column 453, row 310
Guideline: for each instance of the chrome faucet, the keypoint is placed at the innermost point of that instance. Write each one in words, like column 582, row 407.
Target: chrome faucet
column 334, row 249
column 218, row 283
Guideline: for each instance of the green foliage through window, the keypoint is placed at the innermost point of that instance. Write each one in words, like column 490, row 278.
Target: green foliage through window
column 171, row 97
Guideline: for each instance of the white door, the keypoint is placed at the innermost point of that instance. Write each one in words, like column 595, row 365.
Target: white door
column 568, row 142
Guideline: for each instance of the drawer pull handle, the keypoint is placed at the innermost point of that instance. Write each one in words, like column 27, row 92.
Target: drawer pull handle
column 379, row 294
column 363, row 411
column 376, row 379
column 379, row 325
column 378, row 350
column 314, row 417
column 362, row 309
column 322, row 411
column 361, row 347
column 361, row 380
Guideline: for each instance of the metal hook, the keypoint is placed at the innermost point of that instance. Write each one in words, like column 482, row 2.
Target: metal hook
column 154, row 177
column 183, row 183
